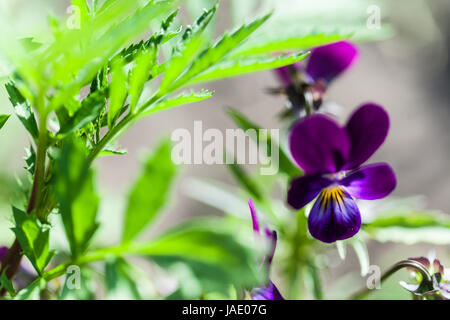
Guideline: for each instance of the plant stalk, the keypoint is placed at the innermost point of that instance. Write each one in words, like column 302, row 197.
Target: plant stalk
column 396, row 267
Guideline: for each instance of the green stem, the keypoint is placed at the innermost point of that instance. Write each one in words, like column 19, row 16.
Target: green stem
column 111, row 135
column 396, row 267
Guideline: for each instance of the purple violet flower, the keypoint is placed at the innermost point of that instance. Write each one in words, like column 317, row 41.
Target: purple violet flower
column 306, row 85
column 331, row 157
column 324, row 63
column 269, row 292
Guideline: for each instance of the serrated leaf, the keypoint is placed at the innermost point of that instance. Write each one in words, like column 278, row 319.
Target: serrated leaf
column 110, row 151
column 140, row 74
column 22, row 109
column 184, row 98
column 33, row 237
column 150, row 192
column 3, row 119
column 83, row 52
column 210, row 56
column 285, row 164
column 158, row 38
column 269, row 45
column 119, row 282
column 233, row 68
column 191, row 43
column 30, row 159
column 75, row 191
column 89, row 110
column 118, row 91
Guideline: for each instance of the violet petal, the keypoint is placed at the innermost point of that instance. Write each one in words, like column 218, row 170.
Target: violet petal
column 334, row 216
column 270, row 292
column 367, row 129
column 329, row 61
column 304, row 189
column 319, row 145
column 371, row 182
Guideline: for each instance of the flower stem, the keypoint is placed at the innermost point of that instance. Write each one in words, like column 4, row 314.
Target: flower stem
column 396, row 267
column 10, row 263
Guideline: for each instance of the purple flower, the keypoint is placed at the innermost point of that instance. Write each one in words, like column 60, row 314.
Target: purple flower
column 307, row 85
column 325, row 63
column 269, row 292
column 438, row 287
column 331, row 157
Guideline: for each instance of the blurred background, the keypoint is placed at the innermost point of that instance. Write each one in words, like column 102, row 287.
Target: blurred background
column 408, row 73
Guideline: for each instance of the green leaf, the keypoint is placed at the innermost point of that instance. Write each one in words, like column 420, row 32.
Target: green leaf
column 233, row 68
column 90, row 109
column 186, row 51
column 77, row 55
column 22, row 109
column 6, row 284
column 3, row 119
column 30, row 159
column 108, row 151
column 211, row 250
column 158, row 38
column 410, row 227
column 285, row 164
column 179, row 100
column 150, row 192
column 269, row 45
column 33, row 291
column 75, row 191
column 140, row 74
column 224, row 46
column 118, row 91
column 33, row 237
column 119, row 282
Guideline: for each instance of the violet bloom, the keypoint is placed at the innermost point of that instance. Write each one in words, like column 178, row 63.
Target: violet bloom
column 325, row 64
column 439, row 288
column 269, row 292
column 331, row 157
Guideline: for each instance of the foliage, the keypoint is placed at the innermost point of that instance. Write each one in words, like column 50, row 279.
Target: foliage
column 78, row 90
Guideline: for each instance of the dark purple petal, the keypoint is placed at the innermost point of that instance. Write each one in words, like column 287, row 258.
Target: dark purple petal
column 267, row 293
column 371, row 182
column 367, row 128
column 319, row 145
column 334, row 216
column 254, row 216
column 329, row 61
column 304, row 189
column 3, row 251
